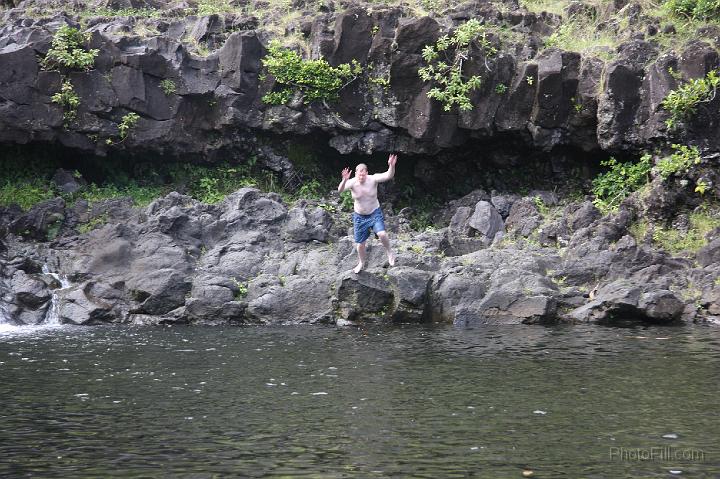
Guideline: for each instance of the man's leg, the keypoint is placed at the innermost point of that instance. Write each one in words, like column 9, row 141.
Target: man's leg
column 361, row 257
column 386, row 243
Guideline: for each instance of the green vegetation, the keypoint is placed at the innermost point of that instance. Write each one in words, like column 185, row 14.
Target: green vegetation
column 613, row 186
column 701, row 187
column 92, row 224
column 142, row 195
column 127, row 123
column 168, row 86
column 695, row 9
column 581, row 34
column 445, row 64
column 25, row 193
column 381, row 81
column 313, row 79
column 68, row 100
column 421, row 218
column 26, row 182
column 679, row 162
column 501, row 88
column 242, row 289
column 311, row 189
column 682, row 103
column 543, row 209
column 211, row 184
column 122, row 12
column 597, row 28
column 346, row 201
column 68, row 50
column 673, row 241
column 212, row 7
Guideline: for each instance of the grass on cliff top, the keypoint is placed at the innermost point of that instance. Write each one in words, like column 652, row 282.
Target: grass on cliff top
column 597, row 32
column 600, row 29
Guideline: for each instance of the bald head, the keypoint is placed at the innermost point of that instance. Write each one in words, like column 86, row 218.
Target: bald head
column 361, row 173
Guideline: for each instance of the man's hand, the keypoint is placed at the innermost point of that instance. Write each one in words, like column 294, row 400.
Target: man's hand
column 346, row 174
column 392, row 159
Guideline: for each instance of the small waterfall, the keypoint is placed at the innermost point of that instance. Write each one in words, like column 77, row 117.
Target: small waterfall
column 4, row 315
column 53, row 313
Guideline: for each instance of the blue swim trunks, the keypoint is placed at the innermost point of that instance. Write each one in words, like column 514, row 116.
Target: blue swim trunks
column 363, row 223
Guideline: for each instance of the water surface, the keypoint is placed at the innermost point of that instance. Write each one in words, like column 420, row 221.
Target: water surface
column 359, row 402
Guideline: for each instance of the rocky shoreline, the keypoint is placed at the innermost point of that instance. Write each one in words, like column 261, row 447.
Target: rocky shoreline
column 497, row 257
column 252, row 259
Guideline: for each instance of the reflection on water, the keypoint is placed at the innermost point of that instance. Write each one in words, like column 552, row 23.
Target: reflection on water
column 375, row 402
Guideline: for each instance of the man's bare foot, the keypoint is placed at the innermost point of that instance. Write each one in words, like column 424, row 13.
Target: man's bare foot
column 358, row 268
column 391, row 258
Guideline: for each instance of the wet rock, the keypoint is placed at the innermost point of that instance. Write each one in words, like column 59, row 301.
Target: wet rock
column 29, row 298
column 217, row 297
column 364, row 297
column 412, row 289
column 78, row 307
column 626, row 301
column 293, row 300
column 158, row 291
column 30, row 292
column 514, row 297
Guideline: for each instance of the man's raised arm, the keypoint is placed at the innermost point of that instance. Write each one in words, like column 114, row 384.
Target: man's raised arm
column 388, row 175
column 345, row 177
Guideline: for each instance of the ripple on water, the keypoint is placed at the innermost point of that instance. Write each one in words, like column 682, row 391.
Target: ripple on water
column 362, row 402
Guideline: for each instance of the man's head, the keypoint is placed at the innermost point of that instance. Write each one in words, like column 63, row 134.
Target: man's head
column 361, row 172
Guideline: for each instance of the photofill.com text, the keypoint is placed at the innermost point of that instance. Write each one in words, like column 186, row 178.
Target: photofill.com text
column 664, row 453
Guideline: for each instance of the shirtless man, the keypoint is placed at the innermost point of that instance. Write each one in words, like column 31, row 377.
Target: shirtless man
column 367, row 212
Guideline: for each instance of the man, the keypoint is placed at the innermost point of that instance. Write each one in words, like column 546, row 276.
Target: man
column 367, row 212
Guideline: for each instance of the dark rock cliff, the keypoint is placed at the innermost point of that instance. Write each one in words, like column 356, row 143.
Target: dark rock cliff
column 551, row 98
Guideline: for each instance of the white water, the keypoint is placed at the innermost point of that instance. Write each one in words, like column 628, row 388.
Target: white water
column 4, row 316
column 52, row 317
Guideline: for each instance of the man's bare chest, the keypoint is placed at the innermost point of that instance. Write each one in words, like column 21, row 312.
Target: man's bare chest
column 365, row 190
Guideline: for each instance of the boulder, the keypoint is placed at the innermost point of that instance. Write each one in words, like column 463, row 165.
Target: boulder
column 41, row 222
column 486, row 220
column 66, row 182
column 503, row 202
column 524, row 218
column 411, row 289
column 291, row 300
column 308, row 224
column 75, row 306
column 584, row 216
column 158, row 291
column 709, row 254
column 624, row 301
column 364, row 297
column 514, row 297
